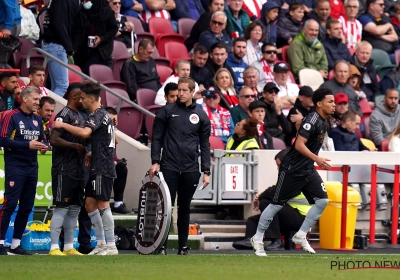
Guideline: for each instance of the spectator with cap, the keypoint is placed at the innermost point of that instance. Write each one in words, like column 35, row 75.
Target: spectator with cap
column 301, row 108
column 288, row 91
column 342, row 106
column 275, row 121
column 257, row 110
column 344, row 136
column 241, row 111
column 221, row 121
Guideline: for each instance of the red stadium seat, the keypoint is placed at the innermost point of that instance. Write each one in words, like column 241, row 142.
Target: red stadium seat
column 104, row 75
column 73, row 77
column 139, row 31
column 385, row 145
column 278, row 144
column 120, row 55
column 364, row 105
column 216, row 143
column 175, row 51
column 145, row 98
column 20, row 57
column 285, row 56
column 367, row 131
column 156, row 56
column 185, row 26
column 164, row 72
column 331, row 75
column 162, row 30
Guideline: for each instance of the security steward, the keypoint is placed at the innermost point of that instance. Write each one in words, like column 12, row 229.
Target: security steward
column 244, row 137
column 178, row 129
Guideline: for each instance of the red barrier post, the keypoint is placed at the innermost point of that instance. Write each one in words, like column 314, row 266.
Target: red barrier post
column 395, row 206
column 372, row 205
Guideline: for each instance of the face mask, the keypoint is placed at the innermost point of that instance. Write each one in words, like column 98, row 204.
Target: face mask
column 87, row 5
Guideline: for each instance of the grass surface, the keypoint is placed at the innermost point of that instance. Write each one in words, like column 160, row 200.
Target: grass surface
column 205, row 267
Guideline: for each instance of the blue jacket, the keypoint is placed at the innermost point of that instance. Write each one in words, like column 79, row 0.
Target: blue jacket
column 270, row 29
column 207, row 39
column 335, row 50
column 17, row 129
column 181, row 10
column 346, row 141
column 9, row 14
column 238, row 68
column 126, row 6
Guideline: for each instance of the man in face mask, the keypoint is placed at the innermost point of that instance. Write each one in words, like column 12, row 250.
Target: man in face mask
column 306, row 51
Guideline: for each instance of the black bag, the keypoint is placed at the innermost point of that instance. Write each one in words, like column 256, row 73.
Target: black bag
column 125, row 238
column 43, row 20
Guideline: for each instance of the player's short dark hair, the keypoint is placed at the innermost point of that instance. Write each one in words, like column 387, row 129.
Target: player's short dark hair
column 295, row 5
column 349, row 114
column 250, row 127
column 282, row 153
column 72, row 87
column 320, row 95
column 92, row 89
column 34, row 68
column 219, row 45
column 7, row 75
column 200, row 49
column 170, row 87
column 144, row 43
column 239, row 39
column 267, row 45
column 111, row 110
column 46, row 99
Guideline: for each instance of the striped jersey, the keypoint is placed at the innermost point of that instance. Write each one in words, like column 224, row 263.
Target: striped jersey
column 253, row 7
column 313, row 128
column 146, row 15
column 351, row 31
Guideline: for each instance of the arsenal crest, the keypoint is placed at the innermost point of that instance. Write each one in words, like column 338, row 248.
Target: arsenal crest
column 11, row 184
column 35, row 123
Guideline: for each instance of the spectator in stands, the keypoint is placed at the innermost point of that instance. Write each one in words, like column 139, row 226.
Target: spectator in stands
column 10, row 25
column 98, row 21
column 238, row 19
column 321, row 15
column 253, row 8
column 235, row 61
column 288, row 91
column 302, row 106
column 337, row 9
column 352, row 28
column 171, row 92
column 187, row 9
column 275, row 121
column 394, row 140
column 257, row 110
column 290, row 24
column 395, row 20
column 334, row 47
column 124, row 26
column 385, row 118
column 133, row 8
column 269, row 14
column 203, row 23
column 251, row 77
column 265, row 66
column 339, row 84
column 355, row 81
column 391, row 79
column 224, row 82
column 57, row 41
column 8, row 97
column 29, row 27
column 37, row 74
column 309, row 5
column 221, row 121
column 362, row 60
column 182, row 69
column 241, row 112
column 158, row 9
column 254, row 35
column 306, row 51
column 377, row 29
column 244, row 137
column 216, row 32
column 218, row 56
column 47, row 105
column 198, row 71
column 342, row 106
column 344, row 136
column 139, row 71
column 21, row 166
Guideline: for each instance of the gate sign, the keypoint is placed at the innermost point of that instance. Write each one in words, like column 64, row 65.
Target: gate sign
column 234, row 177
column 154, row 214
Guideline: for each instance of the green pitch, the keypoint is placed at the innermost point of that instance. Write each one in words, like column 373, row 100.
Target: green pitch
column 204, row 267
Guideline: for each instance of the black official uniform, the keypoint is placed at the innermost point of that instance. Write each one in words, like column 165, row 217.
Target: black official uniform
column 67, row 169
column 102, row 169
column 297, row 172
column 178, row 130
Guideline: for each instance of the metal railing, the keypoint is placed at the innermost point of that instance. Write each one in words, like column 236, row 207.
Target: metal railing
column 46, row 56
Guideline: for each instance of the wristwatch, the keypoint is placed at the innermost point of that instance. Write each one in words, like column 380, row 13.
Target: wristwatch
column 207, row 172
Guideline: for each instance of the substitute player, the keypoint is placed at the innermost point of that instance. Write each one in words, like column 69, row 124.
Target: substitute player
column 100, row 127
column 297, row 173
column 21, row 136
column 67, row 174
